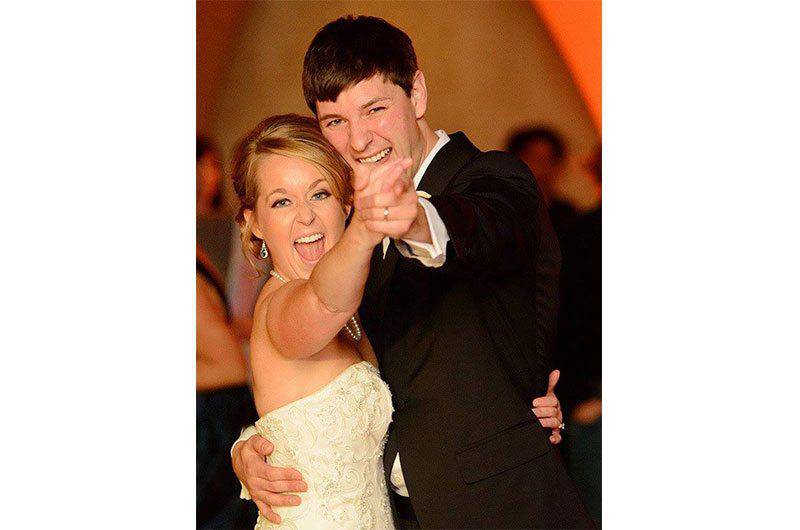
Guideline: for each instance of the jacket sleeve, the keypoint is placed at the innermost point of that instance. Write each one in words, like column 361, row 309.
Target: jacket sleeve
column 492, row 212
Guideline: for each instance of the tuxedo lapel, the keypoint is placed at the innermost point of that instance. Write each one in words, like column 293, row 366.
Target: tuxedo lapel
column 448, row 161
column 375, row 263
column 385, row 272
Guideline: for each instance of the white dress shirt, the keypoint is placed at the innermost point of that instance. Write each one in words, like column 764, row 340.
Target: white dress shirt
column 430, row 254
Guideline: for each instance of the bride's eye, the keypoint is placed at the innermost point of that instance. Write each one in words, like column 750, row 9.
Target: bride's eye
column 322, row 194
column 280, row 203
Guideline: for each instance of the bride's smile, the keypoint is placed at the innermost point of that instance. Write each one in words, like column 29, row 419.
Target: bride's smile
column 299, row 218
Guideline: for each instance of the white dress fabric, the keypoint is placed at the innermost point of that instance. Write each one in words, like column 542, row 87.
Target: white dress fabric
column 335, row 438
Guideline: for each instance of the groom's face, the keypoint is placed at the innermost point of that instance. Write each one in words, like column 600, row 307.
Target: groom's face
column 374, row 122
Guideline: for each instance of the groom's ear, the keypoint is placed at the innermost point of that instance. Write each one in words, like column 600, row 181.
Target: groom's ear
column 419, row 94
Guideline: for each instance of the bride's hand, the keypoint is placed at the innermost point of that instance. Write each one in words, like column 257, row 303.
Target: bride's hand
column 388, row 204
column 548, row 409
column 388, row 187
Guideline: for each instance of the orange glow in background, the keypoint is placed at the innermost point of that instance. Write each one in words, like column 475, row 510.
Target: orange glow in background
column 576, row 29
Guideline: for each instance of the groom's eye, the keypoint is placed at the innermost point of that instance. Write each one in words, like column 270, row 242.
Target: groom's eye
column 333, row 123
column 373, row 110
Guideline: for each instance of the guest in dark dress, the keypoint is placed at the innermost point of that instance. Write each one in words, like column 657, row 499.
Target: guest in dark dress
column 224, row 405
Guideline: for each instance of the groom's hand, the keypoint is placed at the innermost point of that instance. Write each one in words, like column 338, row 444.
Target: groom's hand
column 548, row 409
column 266, row 484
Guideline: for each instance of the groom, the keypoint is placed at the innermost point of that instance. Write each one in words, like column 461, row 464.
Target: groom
column 459, row 305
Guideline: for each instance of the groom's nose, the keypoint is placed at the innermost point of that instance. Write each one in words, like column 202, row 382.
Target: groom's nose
column 360, row 137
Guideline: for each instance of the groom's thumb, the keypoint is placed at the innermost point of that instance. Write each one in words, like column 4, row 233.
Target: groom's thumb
column 261, row 445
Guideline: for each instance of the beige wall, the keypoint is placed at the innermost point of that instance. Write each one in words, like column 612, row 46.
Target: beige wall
column 490, row 67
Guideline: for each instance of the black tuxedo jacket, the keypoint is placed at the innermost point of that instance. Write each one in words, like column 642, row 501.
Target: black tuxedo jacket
column 464, row 349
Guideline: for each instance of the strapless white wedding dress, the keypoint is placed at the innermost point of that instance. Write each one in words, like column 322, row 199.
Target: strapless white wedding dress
column 335, row 438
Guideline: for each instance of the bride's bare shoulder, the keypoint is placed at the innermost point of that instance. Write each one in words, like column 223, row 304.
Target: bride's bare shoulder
column 270, row 287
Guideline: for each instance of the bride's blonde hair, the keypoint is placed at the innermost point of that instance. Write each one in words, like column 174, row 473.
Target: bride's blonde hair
column 288, row 135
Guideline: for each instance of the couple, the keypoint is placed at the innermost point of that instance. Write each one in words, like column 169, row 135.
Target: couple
column 456, row 286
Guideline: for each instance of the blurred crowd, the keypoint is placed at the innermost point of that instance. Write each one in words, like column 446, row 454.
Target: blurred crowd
column 227, row 288
column 577, row 350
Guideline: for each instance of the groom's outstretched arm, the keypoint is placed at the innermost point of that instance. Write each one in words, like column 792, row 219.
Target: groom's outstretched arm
column 490, row 218
column 266, row 485
column 494, row 215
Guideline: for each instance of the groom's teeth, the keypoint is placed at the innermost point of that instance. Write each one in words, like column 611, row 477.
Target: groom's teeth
column 309, row 239
column 376, row 157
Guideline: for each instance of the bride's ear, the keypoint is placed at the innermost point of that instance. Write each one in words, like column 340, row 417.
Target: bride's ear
column 250, row 220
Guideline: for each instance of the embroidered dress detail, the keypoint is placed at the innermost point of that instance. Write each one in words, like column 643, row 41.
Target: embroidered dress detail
column 335, row 437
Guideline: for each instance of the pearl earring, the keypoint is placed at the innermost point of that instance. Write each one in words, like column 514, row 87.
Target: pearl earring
column 264, row 252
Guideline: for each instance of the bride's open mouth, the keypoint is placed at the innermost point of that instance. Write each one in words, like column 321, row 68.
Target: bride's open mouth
column 310, row 247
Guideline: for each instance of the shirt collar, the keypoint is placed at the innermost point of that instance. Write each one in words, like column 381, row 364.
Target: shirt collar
column 443, row 139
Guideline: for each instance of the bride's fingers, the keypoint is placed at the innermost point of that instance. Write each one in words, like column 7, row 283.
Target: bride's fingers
column 377, row 200
column 550, row 423
column 546, row 412
column 546, row 401
column 555, row 438
column 402, row 212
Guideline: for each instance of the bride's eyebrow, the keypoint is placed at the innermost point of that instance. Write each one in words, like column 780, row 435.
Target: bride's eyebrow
column 277, row 190
column 316, row 182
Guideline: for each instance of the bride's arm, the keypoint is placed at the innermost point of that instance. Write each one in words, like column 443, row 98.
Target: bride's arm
column 304, row 315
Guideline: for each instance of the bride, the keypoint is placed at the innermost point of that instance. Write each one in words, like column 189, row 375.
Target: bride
column 316, row 384
column 315, row 380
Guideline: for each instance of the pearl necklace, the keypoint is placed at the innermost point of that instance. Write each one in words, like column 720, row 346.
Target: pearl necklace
column 356, row 335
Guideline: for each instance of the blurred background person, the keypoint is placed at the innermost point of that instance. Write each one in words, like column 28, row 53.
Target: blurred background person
column 217, row 234
column 578, row 347
column 577, row 352
column 214, row 223
column 224, row 405
column 224, row 402
column 543, row 150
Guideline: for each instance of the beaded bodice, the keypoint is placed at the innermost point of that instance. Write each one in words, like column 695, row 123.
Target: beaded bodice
column 335, row 438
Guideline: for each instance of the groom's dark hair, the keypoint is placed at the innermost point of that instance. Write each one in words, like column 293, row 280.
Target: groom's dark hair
column 351, row 49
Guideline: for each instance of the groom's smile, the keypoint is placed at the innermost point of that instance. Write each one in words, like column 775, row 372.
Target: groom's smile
column 375, row 122
column 374, row 159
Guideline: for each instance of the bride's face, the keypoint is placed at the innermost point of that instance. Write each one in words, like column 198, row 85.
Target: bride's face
column 296, row 214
